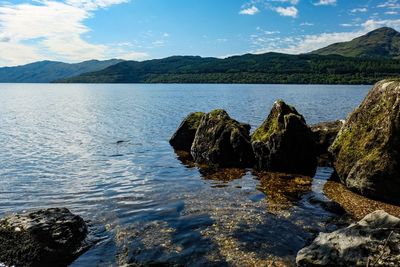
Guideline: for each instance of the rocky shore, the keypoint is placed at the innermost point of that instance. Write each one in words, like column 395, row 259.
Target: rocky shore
column 364, row 150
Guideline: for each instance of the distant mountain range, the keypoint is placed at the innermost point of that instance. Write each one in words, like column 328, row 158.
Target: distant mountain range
column 48, row 71
column 380, row 43
column 364, row 60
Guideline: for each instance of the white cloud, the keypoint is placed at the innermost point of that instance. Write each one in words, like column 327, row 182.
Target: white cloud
column 287, row 11
column 249, row 11
column 391, row 12
column 325, row 3
column 371, row 24
column 306, row 24
column 361, row 9
column 94, row 4
column 391, row 4
column 51, row 30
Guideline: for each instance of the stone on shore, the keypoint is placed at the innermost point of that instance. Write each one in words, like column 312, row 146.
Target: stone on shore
column 222, row 142
column 367, row 149
column 373, row 241
column 183, row 138
column 50, row 237
column 284, row 142
column 324, row 135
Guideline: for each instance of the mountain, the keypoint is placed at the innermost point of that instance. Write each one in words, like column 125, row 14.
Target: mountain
column 381, row 43
column 249, row 68
column 47, row 71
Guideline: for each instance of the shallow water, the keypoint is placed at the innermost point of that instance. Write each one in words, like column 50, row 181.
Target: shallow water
column 102, row 151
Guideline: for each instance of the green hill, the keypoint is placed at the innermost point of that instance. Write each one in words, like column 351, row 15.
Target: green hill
column 47, row 71
column 380, row 43
column 249, row 68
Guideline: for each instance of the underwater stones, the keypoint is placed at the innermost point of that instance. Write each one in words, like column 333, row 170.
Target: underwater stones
column 222, row 142
column 284, row 142
column 50, row 237
column 183, row 138
column 367, row 148
column 324, row 134
column 373, row 241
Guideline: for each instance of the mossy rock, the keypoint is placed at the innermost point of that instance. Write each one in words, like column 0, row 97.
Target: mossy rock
column 222, row 142
column 284, row 142
column 183, row 138
column 367, row 148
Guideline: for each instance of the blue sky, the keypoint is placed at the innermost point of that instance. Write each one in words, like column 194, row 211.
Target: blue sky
column 76, row 30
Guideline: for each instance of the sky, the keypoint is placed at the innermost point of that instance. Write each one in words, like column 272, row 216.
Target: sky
column 78, row 30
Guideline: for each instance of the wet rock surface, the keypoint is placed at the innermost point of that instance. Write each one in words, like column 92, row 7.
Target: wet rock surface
column 221, row 141
column 183, row 138
column 324, row 134
column 373, row 241
column 50, row 237
column 367, row 148
column 284, row 142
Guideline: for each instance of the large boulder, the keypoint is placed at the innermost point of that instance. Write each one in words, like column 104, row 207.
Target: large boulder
column 284, row 142
column 51, row 237
column 373, row 241
column 222, row 142
column 324, row 134
column 183, row 138
column 367, row 148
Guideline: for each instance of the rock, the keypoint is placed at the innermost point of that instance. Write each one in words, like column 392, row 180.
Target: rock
column 367, row 148
column 284, row 143
column 222, row 142
column 51, row 237
column 183, row 138
column 373, row 241
column 324, row 134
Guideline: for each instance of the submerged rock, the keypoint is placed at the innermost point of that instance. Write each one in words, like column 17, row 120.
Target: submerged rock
column 183, row 138
column 324, row 134
column 367, row 148
column 284, row 142
column 373, row 241
column 221, row 141
column 51, row 237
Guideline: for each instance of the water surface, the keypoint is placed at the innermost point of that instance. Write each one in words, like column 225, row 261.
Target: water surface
column 102, row 151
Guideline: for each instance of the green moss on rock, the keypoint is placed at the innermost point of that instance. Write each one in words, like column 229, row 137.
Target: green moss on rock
column 367, row 148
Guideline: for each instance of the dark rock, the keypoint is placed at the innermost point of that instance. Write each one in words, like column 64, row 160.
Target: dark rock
column 183, row 138
column 324, row 134
column 51, row 237
column 367, row 148
column 373, row 241
column 284, row 142
column 221, row 141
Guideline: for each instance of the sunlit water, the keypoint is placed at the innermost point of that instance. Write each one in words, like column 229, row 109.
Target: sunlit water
column 59, row 147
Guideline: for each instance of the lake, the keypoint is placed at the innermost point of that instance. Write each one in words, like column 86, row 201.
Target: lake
column 102, row 151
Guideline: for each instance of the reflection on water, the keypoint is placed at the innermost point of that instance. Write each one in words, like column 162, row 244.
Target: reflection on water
column 102, row 151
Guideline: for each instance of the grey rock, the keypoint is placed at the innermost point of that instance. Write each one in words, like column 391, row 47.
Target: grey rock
column 373, row 241
column 324, row 134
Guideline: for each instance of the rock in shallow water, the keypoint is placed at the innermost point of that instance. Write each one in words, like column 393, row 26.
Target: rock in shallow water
column 50, row 237
column 222, row 141
column 367, row 149
column 284, row 142
column 183, row 138
column 324, row 134
column 375, row 240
